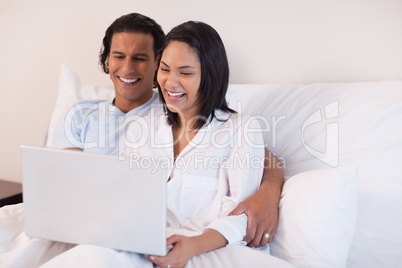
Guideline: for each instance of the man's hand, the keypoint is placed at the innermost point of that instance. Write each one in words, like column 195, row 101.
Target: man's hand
column 262, row 215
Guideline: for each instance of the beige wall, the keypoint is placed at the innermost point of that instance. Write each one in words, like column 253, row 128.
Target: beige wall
column 287, row 41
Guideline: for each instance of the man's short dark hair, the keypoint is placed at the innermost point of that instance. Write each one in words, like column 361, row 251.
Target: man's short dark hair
column 214, row 68
column 130, row 23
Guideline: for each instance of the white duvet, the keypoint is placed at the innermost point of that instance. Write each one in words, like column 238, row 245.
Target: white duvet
column 20, row 251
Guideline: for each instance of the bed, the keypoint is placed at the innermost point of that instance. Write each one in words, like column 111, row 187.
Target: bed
column 339, row 144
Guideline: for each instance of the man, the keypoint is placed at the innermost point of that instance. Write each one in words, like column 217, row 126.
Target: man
column 129, row 56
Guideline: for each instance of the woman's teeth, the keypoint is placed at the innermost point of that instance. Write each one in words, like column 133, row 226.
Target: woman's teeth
column 125, row 80
column 175, row 94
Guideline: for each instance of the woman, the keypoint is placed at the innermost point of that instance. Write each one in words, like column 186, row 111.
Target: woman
column 207, row 142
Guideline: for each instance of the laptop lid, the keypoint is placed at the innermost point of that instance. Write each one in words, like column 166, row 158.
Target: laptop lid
column 82, row 198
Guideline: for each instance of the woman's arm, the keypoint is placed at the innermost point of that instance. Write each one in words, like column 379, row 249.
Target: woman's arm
column 184, row 248
column 262, row 208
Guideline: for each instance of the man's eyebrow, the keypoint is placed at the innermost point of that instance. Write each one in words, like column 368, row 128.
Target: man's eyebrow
column 181, row 67
column 141, row 55
column 135, row 55
column 117, row 52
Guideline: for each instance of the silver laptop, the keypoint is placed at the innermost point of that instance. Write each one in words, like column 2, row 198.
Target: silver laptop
column 82, row 198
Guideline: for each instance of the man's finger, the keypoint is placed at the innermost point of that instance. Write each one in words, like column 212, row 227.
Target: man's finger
column 241, row 208
column 251, row 230
column 258, row 237
column 272, row 234
column 265, row 239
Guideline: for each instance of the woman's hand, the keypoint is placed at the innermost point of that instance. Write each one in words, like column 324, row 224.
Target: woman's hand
column 184, row 248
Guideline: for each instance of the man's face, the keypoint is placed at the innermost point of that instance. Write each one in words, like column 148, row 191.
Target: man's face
column 132, row 67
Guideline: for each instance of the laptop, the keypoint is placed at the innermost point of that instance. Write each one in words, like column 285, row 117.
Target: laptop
column 84, row 198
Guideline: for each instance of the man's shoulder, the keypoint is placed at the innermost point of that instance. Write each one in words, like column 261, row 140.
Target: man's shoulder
column 89, row 102
column 83, row 109
column 152, row 106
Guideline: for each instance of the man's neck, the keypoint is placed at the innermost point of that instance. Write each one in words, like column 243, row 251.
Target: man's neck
column 126, row 105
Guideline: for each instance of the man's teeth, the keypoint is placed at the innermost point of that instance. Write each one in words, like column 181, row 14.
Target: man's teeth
column 125, row 80
column 175, row 94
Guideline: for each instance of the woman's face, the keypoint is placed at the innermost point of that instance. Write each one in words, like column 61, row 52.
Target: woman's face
column 179, row 77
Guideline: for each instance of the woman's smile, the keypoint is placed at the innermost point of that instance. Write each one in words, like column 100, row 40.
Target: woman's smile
column 175, row 96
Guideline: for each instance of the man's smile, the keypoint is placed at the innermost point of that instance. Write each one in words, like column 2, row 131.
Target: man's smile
column 128, row 81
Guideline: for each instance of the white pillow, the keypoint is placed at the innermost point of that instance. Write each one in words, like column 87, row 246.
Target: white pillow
column 364, row 120
column 70, row 92
column 317, row 218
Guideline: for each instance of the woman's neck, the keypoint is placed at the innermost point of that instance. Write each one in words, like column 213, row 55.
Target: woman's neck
column 183, row 133
column 187, row 121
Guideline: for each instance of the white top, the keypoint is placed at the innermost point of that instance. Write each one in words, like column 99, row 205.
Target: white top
column 219, row 168
column 98, row 126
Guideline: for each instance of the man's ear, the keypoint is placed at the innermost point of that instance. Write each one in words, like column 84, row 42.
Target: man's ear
column 155, row 85
column 107, row 64
column 157, row 63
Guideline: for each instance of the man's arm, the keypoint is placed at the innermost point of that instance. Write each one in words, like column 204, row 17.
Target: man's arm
column 262, row 208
